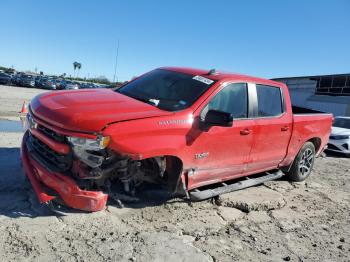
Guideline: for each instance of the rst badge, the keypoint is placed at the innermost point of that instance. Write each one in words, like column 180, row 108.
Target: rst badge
column 201, row 155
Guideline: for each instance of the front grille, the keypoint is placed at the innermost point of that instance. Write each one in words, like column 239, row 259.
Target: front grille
column 52, row 134
column 47, row 157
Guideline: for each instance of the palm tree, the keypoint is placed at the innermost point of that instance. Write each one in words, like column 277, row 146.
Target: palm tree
column 79, row 67
column 75, row 65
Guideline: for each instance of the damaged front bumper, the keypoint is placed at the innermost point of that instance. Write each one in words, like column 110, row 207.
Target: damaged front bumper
column 49, row 185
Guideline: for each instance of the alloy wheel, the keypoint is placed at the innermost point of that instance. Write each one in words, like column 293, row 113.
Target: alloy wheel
column 306, row 162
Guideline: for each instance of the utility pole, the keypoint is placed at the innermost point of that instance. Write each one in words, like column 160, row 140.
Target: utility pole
column 116, row 63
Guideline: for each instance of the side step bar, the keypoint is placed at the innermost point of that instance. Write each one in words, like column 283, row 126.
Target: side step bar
column 198, row 195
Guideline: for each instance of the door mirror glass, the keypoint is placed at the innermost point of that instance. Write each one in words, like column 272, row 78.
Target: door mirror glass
column 218, row 118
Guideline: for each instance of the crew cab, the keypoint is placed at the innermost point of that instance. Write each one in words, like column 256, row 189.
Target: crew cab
column 189, row 132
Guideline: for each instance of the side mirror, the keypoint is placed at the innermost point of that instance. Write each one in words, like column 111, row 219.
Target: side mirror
column 218, row 118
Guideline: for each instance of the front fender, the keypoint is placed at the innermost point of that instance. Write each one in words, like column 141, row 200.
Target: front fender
column 142, row 147
column 145, row 138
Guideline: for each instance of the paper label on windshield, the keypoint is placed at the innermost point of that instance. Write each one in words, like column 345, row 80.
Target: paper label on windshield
column 203, row 80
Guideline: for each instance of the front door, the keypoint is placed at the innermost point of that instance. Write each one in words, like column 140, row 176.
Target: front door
column 221, row 153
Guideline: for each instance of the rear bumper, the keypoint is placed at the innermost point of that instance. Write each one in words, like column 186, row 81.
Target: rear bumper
column 66, row 188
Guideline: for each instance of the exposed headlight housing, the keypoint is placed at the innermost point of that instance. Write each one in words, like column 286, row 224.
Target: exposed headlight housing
column 99, row 143
column 83, row 148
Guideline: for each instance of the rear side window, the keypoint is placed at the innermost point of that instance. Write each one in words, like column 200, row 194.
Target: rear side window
column 269, row 101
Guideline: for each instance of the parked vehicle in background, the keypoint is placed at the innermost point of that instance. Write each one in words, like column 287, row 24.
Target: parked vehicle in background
column 339, row 140
column 16, row 78
column 27, row 80
column 83, row 85
column 71, row 85
column 39, row 80
column 60, row 83
column 87, row 85
column 188, row 132
column 92, row 85
column 111, row 86
column 104, row 86
column 49, row 83
column 5, row 79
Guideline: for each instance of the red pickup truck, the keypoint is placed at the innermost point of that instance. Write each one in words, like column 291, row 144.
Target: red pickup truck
column 189, row 132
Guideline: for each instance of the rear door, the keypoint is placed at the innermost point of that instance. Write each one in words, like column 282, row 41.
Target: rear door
column 272, row 129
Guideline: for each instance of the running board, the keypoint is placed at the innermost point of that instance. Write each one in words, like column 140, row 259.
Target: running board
column 198, row 195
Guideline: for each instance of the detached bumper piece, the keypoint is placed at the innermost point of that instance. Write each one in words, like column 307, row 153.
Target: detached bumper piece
column 44, row 181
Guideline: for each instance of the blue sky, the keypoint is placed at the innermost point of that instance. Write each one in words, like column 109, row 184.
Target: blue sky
column 261, row 38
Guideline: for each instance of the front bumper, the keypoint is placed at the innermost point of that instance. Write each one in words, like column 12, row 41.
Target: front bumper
column 341, row 146
column 64, row 187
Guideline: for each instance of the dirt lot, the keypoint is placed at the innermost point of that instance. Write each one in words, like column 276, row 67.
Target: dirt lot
column 277, row 221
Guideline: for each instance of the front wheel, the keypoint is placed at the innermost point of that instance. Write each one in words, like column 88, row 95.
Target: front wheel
column 303, row 163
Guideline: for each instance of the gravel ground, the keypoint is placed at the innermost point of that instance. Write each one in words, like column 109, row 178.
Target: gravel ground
column 277, row 221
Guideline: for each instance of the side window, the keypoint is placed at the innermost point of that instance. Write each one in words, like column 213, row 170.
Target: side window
column 231, row 99
column 269, row 101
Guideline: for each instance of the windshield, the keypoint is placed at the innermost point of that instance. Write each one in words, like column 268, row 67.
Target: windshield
column 167, row 90
column 342, row 122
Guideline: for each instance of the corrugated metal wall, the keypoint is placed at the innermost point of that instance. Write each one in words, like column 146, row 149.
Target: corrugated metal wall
column 302, row 92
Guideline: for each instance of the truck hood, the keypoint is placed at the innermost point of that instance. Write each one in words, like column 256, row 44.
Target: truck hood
column 90, row 110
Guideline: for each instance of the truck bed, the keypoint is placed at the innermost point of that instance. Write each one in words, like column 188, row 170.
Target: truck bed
column 304, row 110
column 308, row 125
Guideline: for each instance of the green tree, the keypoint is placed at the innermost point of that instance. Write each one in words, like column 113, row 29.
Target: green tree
column 75, row 66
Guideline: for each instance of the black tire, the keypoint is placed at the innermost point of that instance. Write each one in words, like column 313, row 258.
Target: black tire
column 303, row 163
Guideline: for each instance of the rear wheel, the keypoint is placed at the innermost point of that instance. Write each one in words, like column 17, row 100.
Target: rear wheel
column 303, row 163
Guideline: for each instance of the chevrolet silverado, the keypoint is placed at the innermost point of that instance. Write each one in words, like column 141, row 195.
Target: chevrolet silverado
column 188, row 132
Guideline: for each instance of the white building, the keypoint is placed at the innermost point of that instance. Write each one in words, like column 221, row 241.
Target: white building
column 326, row 93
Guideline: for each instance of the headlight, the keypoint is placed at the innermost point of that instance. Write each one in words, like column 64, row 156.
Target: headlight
column 99, row 143
column 339, row 137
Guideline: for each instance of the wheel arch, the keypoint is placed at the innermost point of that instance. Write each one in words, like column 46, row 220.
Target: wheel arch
column 317, row 143
column 174, row 168
column 175, row 172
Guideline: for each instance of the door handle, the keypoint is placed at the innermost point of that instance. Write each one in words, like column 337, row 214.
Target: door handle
column 285, row 128
column 245, row 132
